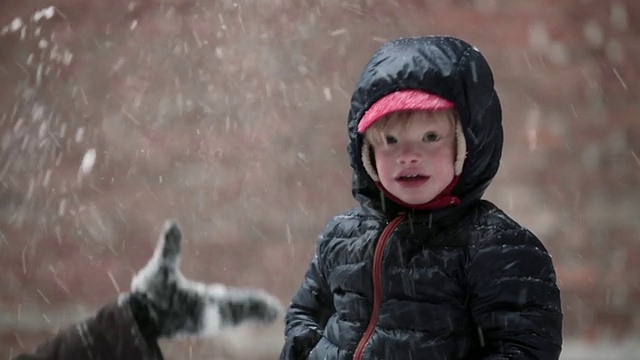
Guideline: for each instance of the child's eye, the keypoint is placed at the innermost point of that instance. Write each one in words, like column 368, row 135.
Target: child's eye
column 431, row 137
column 390, row 139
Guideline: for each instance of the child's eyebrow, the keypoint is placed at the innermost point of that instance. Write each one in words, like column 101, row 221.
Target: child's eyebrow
column 438, row 126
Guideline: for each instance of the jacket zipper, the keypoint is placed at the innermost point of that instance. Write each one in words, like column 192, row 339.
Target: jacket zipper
column 377, row 285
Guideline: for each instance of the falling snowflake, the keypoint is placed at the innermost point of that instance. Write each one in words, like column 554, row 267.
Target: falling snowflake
column 88, row 161
column 46, row 13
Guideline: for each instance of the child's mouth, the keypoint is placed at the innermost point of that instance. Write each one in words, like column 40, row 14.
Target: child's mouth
column 412, row 180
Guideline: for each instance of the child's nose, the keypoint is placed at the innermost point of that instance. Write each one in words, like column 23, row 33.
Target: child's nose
column 409, row 155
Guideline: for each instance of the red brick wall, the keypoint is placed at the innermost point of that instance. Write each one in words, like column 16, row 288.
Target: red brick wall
column 230, row 117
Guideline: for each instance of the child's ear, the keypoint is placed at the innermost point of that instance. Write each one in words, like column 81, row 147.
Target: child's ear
column 369, row 160
column 461, row 148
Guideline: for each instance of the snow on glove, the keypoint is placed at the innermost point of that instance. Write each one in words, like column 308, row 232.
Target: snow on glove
column 165, row 304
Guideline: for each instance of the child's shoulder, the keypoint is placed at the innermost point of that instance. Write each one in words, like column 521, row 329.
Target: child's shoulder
column 350, row 223
column 489, row 215
column 355, row 214
column 495, row 227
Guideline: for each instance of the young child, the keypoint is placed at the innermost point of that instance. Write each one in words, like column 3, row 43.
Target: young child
column 423, row 268
column 162, row 303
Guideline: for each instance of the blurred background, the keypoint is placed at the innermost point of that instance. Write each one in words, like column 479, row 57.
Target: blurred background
column 230, row 117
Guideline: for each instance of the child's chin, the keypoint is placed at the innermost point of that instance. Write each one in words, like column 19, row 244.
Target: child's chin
column 416, row 200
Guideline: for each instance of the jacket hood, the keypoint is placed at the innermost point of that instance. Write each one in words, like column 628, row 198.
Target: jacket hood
column 449, row 68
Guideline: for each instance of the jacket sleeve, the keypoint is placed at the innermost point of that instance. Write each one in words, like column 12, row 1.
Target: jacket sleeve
column 308, row 312
column 514, row 299
column 111, row 334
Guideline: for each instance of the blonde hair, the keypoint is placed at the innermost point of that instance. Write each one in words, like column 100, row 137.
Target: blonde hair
column 399, row 121
column 376, row 135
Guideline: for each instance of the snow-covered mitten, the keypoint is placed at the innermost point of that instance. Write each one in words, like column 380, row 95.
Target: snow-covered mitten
column 166, row 304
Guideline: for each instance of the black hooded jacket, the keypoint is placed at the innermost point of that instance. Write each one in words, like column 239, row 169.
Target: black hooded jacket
column 460, row 282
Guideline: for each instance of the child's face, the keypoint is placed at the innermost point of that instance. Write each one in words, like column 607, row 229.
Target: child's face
column 415, row 160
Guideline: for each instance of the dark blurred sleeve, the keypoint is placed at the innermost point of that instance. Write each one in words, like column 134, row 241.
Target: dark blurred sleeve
column 111, row 334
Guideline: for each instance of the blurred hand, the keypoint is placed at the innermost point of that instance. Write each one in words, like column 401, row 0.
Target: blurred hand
column 165, row 304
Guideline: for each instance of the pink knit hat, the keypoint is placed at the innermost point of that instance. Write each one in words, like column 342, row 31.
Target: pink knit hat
column 404, row 100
